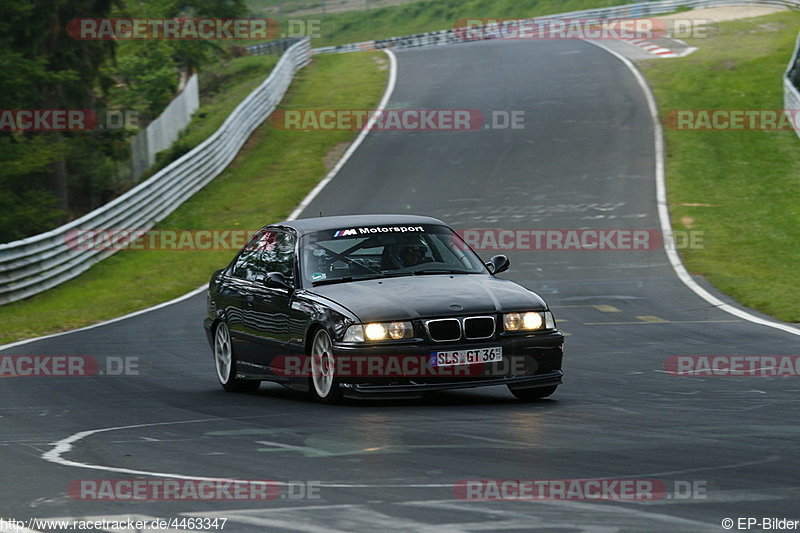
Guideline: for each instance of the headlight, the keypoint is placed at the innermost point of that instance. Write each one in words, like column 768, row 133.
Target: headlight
column 354, row 334
column 379, row 331
column 531, row 321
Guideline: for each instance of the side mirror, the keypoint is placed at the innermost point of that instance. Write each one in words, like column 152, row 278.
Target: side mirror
column 497, row 264
column 276, row 280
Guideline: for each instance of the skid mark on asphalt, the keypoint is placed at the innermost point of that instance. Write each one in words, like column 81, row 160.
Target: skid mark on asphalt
column 650, row 318
column 272, row 446
column 639, row 319
column 584, row 312
column 460, row 516
column 600, row 307
column 333, row 448
column 318, row 448
column 606, row 308
column 769, row 459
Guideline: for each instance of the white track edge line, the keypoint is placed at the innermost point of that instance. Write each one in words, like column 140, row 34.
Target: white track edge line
column 107, row 322
column 63, row 446
column 307, row 200
column 663, row 210
column 361, row 136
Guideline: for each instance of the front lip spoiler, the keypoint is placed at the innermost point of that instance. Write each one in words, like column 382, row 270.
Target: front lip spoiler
column 554, row 377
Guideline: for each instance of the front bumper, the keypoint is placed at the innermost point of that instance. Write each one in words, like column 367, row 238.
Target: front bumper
column 529, row 361
column 359, row 390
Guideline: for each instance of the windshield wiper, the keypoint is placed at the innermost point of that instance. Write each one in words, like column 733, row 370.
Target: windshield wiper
column 332, row 280
column 344, row 279
column 424, row 271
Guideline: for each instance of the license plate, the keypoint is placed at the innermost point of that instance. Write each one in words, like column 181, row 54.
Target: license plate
column 471, row 356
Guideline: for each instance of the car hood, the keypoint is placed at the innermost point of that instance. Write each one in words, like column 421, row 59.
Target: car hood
column 412, row 297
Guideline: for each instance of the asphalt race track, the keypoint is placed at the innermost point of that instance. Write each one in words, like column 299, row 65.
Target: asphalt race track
column 585, row 159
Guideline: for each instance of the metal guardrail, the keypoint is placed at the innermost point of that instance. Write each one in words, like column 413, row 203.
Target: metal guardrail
column 165, row 129
column 638, row 10
column 278, row 46
column 791, row 79
column 791, row 82
column 30, row 266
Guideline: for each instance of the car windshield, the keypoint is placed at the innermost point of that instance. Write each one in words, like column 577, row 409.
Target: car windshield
column 385, row 251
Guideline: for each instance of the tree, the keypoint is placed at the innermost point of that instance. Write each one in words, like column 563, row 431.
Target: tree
column 47, row 69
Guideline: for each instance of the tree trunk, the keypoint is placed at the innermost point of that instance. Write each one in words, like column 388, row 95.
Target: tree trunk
column 59, row 180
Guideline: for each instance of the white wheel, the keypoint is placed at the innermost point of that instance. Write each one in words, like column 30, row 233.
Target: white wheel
column 225, row 363
column 222, row 353
column 323, row 375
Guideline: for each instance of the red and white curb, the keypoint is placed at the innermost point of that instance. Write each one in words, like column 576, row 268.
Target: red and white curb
column 651, row 48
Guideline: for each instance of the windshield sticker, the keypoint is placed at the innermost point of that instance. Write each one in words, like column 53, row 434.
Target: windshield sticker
column 376, row 229
column 317, row 276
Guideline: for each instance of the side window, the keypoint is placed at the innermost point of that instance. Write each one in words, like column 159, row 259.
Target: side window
column 278, row 249
column 250, row 263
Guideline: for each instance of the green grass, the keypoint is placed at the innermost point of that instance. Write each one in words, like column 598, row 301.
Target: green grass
column 271, row 8
column 430, row 15
column 271, row 175
column 746, row 182
column 750, row 179
column 222, row 89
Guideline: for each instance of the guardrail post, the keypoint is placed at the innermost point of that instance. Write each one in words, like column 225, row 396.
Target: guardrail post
column 35, row 264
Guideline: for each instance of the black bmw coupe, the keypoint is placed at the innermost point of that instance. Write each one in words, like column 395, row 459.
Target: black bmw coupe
column 376, row 306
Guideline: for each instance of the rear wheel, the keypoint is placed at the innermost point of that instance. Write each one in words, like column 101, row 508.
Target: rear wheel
column 323, row 385
column 529, row 395
column 225, row 363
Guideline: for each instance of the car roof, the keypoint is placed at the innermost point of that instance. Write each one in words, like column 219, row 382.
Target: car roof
column 311, row 225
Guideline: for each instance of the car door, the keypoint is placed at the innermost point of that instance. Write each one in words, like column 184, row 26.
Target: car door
column 271, row 305
column 240, row 289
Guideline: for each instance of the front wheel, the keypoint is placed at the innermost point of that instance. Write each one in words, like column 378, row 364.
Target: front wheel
column 323, row 385
column 225, row 363
column 529, row 395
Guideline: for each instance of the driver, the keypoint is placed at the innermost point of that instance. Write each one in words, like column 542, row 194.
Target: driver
column 408, row 253
column 411, row 255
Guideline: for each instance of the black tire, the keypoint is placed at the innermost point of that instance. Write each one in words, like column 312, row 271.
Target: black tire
column 225, row 363
column 530, row 395
column 323, row 386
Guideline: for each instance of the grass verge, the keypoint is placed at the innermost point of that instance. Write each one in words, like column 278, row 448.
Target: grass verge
column 272, row 8
column 740, row 188
column 222, row 89
column 270, row 176
column 431, row 15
